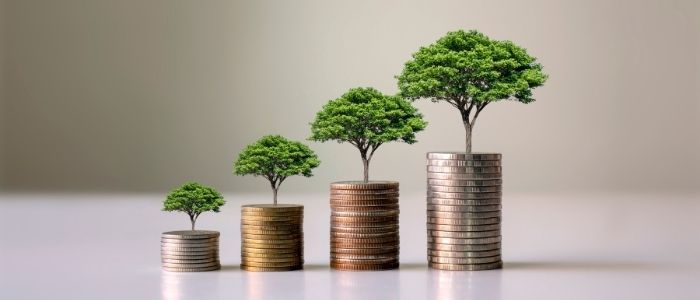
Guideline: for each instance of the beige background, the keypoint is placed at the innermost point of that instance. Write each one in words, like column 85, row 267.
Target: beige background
column 143, row 95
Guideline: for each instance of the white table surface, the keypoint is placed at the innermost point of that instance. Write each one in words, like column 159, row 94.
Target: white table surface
column 556, row 246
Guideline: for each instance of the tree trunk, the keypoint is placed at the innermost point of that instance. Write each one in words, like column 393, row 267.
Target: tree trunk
column 274, row 195
column 365, row 164
column 193, row 219
column 468, row 137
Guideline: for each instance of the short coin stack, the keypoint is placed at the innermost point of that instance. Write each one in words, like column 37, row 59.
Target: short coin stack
column 365, row 225
column 272, row 237
column 464, row 211
column 190, row 251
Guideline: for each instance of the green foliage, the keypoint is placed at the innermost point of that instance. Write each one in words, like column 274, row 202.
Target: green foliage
column 468, row 66
column 366, row 118
column 193, row 199
column 276, row 158
column 468, row 70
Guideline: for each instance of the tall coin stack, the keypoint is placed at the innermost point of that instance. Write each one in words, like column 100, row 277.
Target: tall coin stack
column 464, row 211
column 190, row 251
column 272, row 237
column 365, row 225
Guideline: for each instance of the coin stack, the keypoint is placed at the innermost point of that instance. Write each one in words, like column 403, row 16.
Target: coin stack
column 272, row 237
column 365, row 225
column 190, row 251
column 464, row 211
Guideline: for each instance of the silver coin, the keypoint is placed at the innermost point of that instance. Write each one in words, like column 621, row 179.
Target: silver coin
column 373, row 213
column 189, row 241
column 465, row 260
column 451, row 182
column 178, row 269
column 463, row 163
column 464, row 156
column 189, row 261
column 458, row 241
column 473, row 267
column 464, row 235
column 189, row 245
column 463, row 228
column 463, row 176
column 464, row 254
column 463, row 202
column 464, row 170
column 464, row 196
column 464, row 248
column 464, row 208
column 448, row 221
column 464, row 189
column 463, row 215
column 165, row 247
column 203, row 256
column 190, row 234
column 193, row 265
column 189, row 252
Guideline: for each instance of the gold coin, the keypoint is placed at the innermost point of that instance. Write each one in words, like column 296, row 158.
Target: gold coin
column 269, row 260
column 366, row 230
column 271, row 265
column 393, row 250
column 276, row 269
column 363, row 235
column 365, row 197
column 364, row 208
column 249, row 236
column 369, row 213
column 272, row 255
column 269, row 232
column 364, row 219
column 380, row 240
column 272, row 251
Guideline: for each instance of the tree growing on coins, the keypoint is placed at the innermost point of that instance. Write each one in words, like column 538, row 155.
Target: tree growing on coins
column 193, row 199
column 366, row 119
column 276, row 158
column 468, row 70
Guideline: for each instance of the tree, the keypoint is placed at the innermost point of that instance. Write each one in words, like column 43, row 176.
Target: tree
column 276, row 158
column 366, row 118
column 468, row 70
column 193, row 199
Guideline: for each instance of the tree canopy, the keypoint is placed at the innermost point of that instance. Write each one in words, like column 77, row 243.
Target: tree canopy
column 469, row 70
column 193, row 199
column 366, row 118
column 276, row 158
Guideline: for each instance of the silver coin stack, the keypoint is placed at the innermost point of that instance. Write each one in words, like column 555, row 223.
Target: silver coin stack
column 464, row 211
column 190, row 251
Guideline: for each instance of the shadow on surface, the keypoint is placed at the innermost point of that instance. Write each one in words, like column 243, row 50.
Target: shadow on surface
column 230, row 268
column 581, row 266
column 315, row 267
column 413, row 266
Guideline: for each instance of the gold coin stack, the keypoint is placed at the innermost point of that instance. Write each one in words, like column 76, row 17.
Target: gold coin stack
column 365, row 225
column 464, row 211
column 272, row 237
column 190, row 251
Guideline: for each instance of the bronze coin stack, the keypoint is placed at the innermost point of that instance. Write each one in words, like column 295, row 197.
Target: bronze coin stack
column 190, row 251
column 364, row 225
column 272, row 237
column 464, row 211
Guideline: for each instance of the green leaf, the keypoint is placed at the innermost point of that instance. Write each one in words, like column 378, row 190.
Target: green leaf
column 194, row 199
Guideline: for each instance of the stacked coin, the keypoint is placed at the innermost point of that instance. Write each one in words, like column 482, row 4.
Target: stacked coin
column 190, row 251
column 272, row 237
column 365, row 225
column 464, row 211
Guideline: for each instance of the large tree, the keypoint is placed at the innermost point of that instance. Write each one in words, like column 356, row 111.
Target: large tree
column 366, row 118
column 194, row 199
column 468, row 70
column 275, row 158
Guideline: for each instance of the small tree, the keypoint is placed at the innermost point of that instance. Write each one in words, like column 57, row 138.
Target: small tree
column 193, row 199
column 468, row 70
column 366, row 118
column 276, row 158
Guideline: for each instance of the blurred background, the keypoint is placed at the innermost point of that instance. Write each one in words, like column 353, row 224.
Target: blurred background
column 140, row 96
